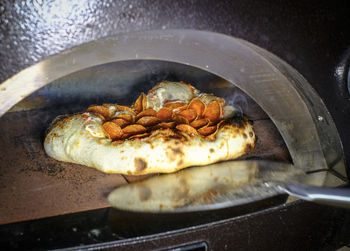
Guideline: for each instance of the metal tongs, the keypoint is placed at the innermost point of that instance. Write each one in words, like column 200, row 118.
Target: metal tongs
column 221, row 185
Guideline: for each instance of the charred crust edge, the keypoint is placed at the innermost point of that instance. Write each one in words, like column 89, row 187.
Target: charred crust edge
column 140, row 164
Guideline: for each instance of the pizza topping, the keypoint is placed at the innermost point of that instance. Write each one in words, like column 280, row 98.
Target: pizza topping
column 176, row 106
column 125, row 109
column 121, row 122
column 197, row 105
column 140, row 103
column 169, row 105
column 92, row 122
column 207, row 98
column 188, row 114
column 147, row 112
column 113, row 131
column 139, row 136
column 199, row 122
column 170, row 91
column 187, row 129
column 221, row 101
column 94, row 130
column 134, row 129
column 126, row 117
column 179, row 119
column 92, row 117
column 206, row 130
column 148, row 121
column 171, row 124
column 162, row 131
column 213, row 135
column 213, row 112
column 99, row 109
column 165, row 114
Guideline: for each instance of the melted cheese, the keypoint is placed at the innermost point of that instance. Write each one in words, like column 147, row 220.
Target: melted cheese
column 93, row 125
column 170, row 91
column 95, row 130
column 207, row 98
column 117, row 113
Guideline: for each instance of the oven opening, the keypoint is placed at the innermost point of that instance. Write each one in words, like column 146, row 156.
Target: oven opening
column 36, row 178
column 264, row 89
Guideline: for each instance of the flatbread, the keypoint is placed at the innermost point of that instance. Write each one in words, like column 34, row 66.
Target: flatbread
column 173, row 127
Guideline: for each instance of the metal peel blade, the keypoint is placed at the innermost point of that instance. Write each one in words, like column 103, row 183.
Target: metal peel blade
column 221, row 185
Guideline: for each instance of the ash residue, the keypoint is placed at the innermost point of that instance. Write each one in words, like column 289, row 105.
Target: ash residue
column 37, row 164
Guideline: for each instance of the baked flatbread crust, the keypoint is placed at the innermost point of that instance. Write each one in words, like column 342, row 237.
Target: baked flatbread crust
column 83, row 138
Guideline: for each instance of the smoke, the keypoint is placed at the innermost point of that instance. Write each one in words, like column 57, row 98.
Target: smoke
column 239, row 101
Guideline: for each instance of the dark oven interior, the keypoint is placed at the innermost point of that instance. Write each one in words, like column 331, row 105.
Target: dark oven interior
column 47, row 205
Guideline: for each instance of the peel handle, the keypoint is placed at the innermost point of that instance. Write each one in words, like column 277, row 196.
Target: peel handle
column 339, row 197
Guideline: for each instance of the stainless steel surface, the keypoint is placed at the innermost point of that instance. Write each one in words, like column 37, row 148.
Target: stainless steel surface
column 225, row 56
column 327, row 132
column 339, row 197
column 221, row 185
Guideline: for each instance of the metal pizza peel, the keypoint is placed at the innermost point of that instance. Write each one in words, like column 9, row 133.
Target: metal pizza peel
column 221, row 185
